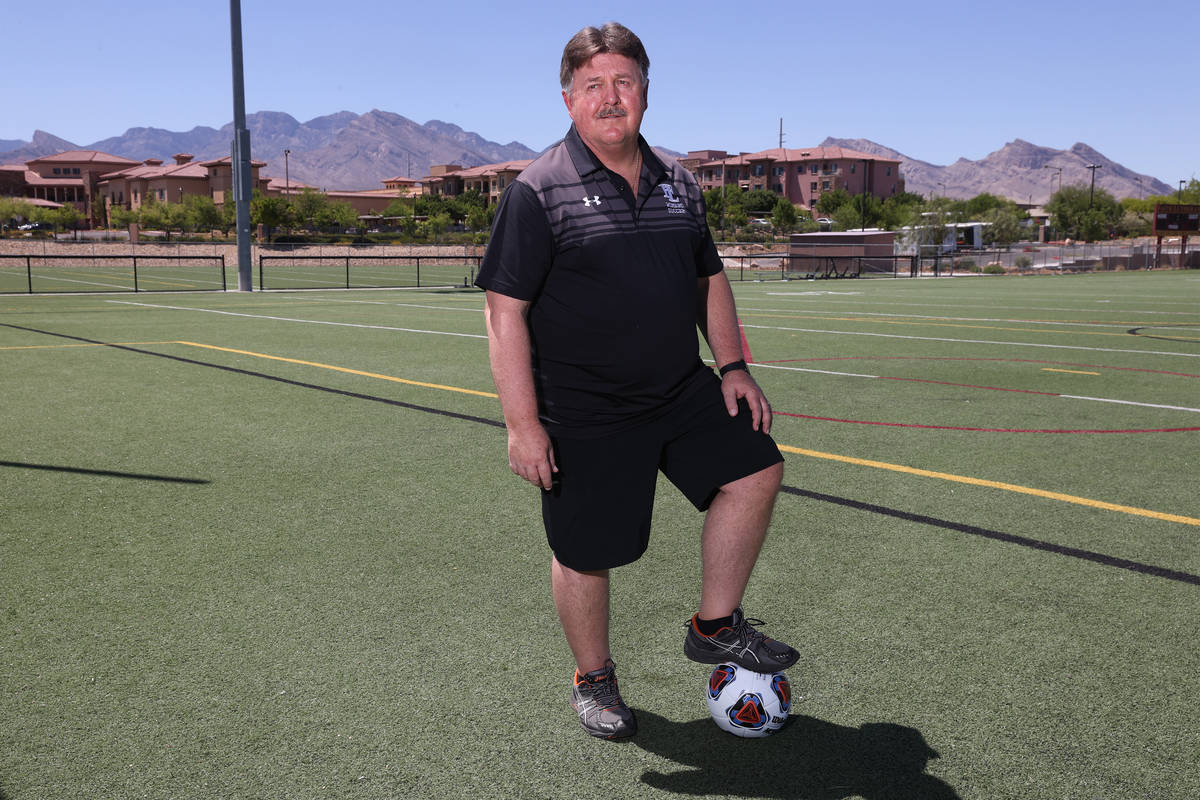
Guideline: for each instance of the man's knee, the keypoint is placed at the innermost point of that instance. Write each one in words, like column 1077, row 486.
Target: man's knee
column 766, row 480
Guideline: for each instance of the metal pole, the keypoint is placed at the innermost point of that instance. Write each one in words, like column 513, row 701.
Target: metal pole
column 240, row 154
column 1092, row 193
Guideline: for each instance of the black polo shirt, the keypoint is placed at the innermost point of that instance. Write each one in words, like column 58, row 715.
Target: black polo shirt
column 612, row 281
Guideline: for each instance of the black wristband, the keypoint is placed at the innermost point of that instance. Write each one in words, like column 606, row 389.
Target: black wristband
column 733, row 366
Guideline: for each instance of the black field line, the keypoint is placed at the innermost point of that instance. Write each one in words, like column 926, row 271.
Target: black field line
column 1024, row 541
column 1087, row 555
column 255, row 374
column 106, row 473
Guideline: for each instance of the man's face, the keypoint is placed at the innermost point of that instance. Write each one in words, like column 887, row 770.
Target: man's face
column 607, row 100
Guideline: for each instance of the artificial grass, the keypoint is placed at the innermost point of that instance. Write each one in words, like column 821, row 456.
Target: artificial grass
column 295, row 592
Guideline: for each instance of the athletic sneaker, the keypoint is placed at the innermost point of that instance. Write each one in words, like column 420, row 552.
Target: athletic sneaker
column 598, row 703
column 740, row 644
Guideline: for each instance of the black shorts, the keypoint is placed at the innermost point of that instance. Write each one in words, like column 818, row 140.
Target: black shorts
column 597, row 515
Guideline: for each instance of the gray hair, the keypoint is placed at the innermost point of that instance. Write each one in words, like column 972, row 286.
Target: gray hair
column 612, row 37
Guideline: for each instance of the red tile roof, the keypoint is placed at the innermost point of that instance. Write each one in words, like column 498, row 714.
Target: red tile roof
column 801, row 154
column 83, row 157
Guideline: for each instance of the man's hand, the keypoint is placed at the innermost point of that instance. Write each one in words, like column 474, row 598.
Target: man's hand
column 531, row 455
column 739, row 384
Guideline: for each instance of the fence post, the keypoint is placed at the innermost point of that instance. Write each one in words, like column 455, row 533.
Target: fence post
column 29, row 273
column 135, row 280
column 223, row 286
column 347, row 272
column 418, row 272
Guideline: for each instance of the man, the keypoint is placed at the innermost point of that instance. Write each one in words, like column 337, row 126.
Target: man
column 599, row 271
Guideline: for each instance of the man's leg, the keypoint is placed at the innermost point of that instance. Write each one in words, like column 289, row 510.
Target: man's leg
column 734, row 530
column 582, row 602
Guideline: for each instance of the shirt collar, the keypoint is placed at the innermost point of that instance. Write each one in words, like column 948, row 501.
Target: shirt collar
column 586, row 163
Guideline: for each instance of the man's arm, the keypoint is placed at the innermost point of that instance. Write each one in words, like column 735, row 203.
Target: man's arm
column 718, row 322
column 530, row 454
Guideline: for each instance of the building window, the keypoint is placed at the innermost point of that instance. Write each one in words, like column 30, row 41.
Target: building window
column 812, row 187
column 778, row 188
column 758, row 170
column 825, row 186
column 812, row 170
column 57, row 171
column 853, row 168
column 74, row 170
column 889, row 172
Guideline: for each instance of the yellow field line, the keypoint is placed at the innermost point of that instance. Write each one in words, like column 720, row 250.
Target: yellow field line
column 1008, row 487
column 344, row 369
column 1069, row 371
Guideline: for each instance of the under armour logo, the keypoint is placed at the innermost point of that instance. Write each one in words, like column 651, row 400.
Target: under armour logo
column 590, row 201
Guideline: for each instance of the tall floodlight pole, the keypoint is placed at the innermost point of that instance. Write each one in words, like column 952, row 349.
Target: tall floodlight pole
column 1092, row 193
column 240, row 155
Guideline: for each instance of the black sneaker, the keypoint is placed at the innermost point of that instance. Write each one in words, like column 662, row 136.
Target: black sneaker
column 598, row 703
column 740, row 644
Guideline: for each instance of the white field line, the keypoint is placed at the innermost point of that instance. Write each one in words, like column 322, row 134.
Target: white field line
column 306, row 321
column 1027, row 309
column 1129, row 403
column 382, row 303
column 1052, row 394
column 973, row 341
column 964, row 319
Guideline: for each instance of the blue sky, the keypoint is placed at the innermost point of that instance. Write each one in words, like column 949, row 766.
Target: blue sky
column 934, row 80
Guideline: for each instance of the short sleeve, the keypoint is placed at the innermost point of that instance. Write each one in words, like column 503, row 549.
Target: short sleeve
column 521, row 247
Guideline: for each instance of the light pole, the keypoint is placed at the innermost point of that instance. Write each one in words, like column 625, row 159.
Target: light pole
column 1059, row 171
column 287, row 181
column 1181, row 183
column 1092, row 194
column 863, row 209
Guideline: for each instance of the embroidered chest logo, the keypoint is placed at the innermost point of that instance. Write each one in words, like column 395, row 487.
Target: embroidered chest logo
column 674, row 201
column 594, row 200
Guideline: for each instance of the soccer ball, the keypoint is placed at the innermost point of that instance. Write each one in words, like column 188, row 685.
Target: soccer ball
column 747, row 703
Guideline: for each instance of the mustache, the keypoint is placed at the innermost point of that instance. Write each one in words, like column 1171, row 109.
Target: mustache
column 612, row 111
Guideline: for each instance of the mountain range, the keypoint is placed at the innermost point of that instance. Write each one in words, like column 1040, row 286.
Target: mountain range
column 358, row 151
column 1020, row 171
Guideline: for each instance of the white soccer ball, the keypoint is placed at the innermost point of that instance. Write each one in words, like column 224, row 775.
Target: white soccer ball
column 747, row 703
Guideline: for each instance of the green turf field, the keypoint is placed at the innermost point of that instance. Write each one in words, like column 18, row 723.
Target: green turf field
column 267, row 546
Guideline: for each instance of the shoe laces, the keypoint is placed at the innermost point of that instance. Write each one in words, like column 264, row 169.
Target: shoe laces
column 605, row 692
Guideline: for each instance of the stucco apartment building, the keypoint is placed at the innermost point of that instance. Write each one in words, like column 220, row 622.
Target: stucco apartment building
column 91, row 180
column 801, row 175
column 490, row 180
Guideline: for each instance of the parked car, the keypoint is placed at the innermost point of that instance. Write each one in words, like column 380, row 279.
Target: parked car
column 29, row 226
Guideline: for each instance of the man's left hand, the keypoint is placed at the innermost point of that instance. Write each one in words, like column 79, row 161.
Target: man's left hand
column 740, row 384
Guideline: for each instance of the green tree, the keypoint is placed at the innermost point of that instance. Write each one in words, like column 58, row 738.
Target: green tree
column 399, row 207
column 202, row 212
column 337, row 214
column 269, row 211
column 151, row 214
column 477, row 218
column 1079, row 214
column 123, row 217
column 1004, row 223
column 758, row 202
column 830, row 202
column 783, row 218
column 308, row 205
